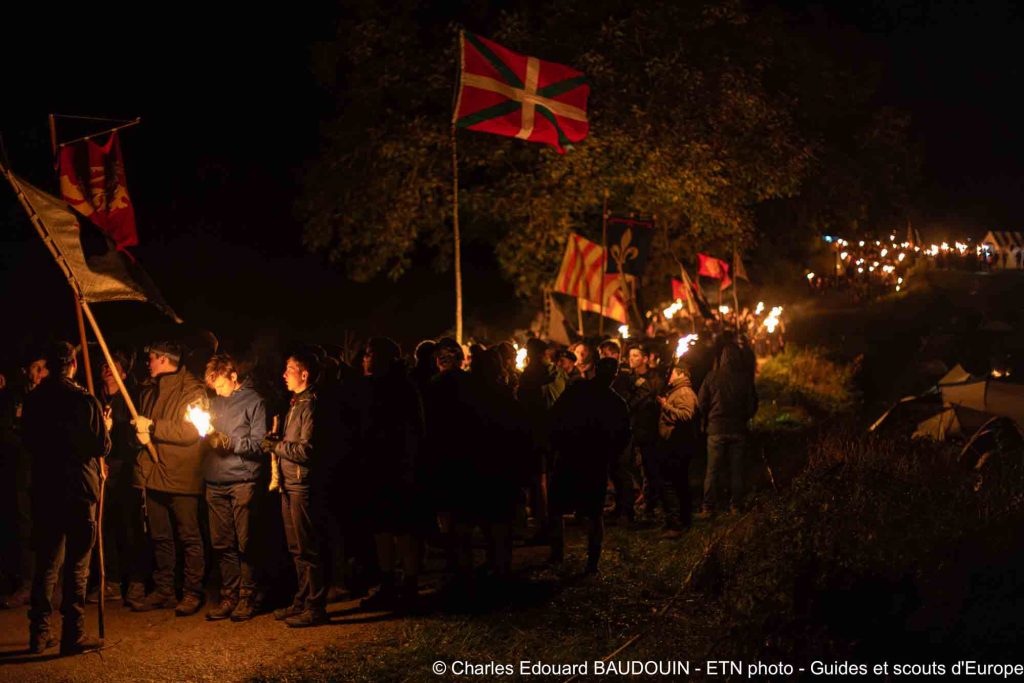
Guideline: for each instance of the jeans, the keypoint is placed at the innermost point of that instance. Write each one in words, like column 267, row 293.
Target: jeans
column 63, row 532
column 725, row 451
column 653, row 484
column 623, row 475
column 233, row 509
column 303, row 529
column 183, row 511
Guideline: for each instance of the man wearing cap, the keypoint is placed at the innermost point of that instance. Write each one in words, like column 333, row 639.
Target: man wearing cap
column 66, row 434
column 171, row 486
column 677, row 441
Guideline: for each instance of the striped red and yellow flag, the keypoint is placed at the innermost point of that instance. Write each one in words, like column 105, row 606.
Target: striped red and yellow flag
column 506, row 93
column 582, row 265
column 615, row 301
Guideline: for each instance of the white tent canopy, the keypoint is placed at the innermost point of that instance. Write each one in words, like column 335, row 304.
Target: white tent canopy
column 1008, row 248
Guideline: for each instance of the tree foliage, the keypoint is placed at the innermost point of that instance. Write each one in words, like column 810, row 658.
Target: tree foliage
column 697, row 115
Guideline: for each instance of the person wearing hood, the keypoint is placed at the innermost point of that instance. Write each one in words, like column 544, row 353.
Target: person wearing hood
column 233, row 469
column 677, row 441
column 727, row 401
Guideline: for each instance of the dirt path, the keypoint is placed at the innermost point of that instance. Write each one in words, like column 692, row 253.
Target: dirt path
column 157, row 646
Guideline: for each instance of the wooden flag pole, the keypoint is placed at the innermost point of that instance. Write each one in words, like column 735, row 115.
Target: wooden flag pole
column 86, row 362
column 117, row 376
column 458, row 245
column 579, row 315
column 736, row 283
column 604, row 259
column 41, row 229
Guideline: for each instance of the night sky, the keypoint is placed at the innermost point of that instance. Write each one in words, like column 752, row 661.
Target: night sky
column 231, row 114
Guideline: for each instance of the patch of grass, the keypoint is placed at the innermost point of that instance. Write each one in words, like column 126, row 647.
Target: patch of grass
column 773, row 418
column 807, row 379
column 545, row 615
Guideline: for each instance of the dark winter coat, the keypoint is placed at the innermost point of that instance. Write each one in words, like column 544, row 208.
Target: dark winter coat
column 242, row 416
column 642, row 402
column 590, row 426
column 64, row 432
column 165, row 400
column 728, row 399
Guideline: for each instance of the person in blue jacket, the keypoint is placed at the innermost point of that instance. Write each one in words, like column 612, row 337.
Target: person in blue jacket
column 233, row 469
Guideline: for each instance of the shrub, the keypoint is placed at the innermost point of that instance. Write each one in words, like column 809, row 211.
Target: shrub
column 807, row 378
column 841, row 556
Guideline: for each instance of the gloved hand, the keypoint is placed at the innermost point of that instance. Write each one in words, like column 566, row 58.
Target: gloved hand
column 219, row 441
column 143, row 424
column 267, row 444
column 143, row 437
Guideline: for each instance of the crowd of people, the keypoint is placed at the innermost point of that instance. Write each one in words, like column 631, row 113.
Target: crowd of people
column 353, row 465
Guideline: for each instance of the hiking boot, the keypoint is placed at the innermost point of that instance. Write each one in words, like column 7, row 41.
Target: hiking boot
column 306, row 618
column 244, row 610
column 82, row 645
column 18, row 598
column 136, row 594
column 112, row 592
column 222, row 611
column 705, row 513
column 40, row 641
column 155, row 600
column 288, row 612
column 188, row 606
column 671, row 534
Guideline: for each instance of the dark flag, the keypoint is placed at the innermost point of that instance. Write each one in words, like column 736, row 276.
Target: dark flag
column 92, row 181
column 688, row 291
column 95, row 268
column 629, row 245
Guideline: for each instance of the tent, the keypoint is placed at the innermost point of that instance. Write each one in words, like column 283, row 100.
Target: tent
column 1006, row 247
column 960, row 404
column 983, row 394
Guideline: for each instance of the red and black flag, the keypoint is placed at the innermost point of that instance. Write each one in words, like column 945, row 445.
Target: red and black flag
column 96, row 270
column 92, row 181
column 688, row 291
column 510, row 94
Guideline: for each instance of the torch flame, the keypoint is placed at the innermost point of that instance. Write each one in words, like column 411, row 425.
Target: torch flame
column 521, row 359
column 199, row 418
column 684, row 344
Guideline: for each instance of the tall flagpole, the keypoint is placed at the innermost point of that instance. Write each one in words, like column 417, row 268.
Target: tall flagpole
column 458, row 244
column 604, row 259
column 455, row 195
column 735, row 283
column 86, row 363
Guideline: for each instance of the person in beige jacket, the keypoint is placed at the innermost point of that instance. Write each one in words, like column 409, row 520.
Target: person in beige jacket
column 677, row 441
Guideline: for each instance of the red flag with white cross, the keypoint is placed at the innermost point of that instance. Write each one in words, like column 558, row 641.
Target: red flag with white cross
column 510, row 94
